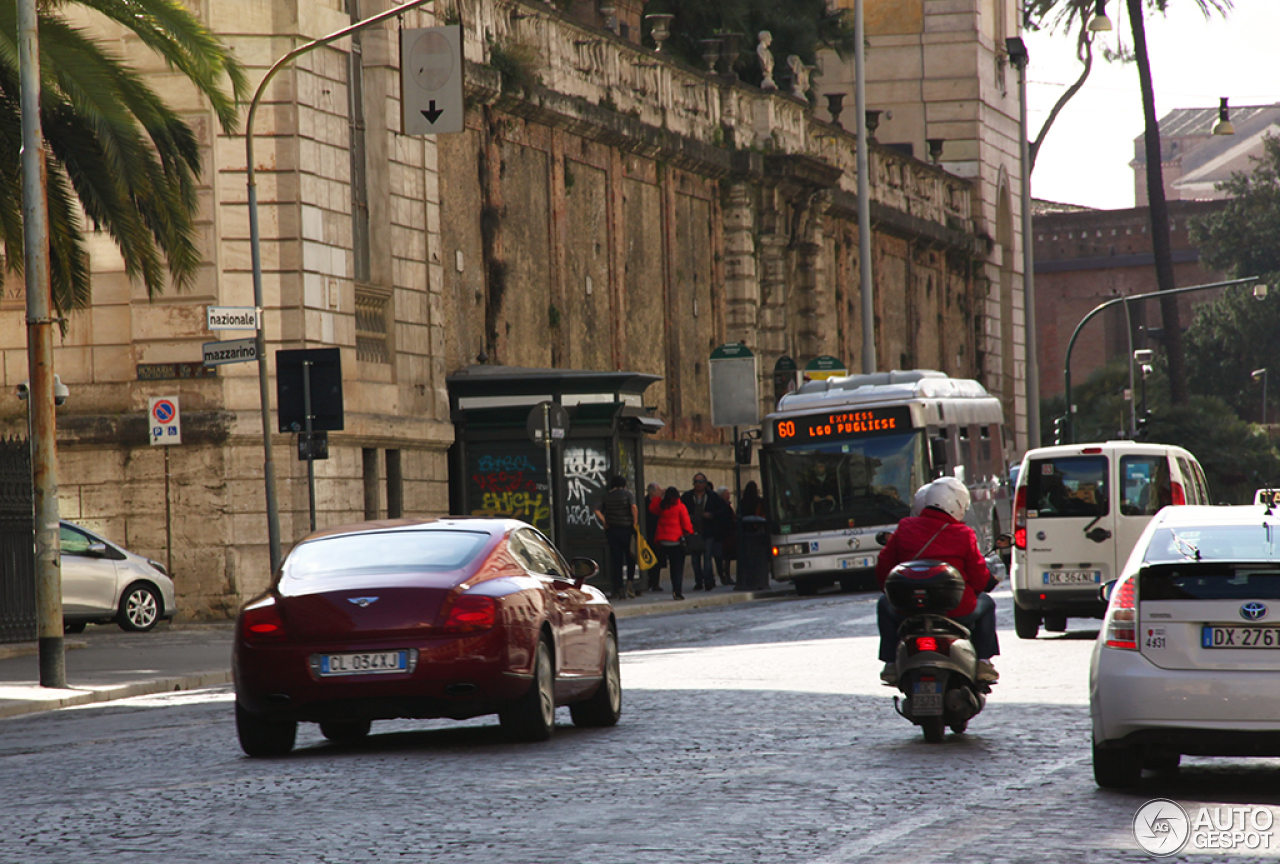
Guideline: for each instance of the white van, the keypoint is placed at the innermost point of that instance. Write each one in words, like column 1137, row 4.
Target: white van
column 1078, row 511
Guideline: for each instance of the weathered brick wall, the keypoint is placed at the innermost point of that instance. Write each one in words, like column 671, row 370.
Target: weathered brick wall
column 613, row 211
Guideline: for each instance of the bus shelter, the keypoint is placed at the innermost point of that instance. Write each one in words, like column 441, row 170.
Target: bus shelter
column 496, row 469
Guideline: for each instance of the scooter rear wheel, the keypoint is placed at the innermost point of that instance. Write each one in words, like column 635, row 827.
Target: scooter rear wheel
column 933, row 729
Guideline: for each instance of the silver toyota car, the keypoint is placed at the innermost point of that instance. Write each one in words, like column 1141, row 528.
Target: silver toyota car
column 1188, row 658
column 104, row 583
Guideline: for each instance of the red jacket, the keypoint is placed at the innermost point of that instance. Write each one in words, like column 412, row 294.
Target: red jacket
column 955, row 543
column 673, row 523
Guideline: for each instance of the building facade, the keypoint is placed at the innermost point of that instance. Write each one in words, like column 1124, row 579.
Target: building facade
column 605, row 209
column 939, row 85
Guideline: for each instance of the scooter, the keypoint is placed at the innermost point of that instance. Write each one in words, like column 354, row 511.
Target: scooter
column 936, row 662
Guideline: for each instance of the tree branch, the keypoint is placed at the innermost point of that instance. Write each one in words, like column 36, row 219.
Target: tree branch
column 1085, row 48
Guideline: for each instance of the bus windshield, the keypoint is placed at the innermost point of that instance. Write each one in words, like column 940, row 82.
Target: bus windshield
column 848, row 483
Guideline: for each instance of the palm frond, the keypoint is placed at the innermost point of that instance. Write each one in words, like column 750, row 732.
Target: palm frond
column 169, row 29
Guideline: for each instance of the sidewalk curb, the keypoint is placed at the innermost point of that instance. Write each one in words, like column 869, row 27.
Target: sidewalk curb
column 109, row 694
column 74, row 696
column 719, row 597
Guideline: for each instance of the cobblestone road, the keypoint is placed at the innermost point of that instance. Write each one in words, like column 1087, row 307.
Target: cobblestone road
column 755, row 733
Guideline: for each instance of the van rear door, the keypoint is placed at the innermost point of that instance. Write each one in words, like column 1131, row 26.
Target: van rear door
column 1145, row 487
column 1069, row 526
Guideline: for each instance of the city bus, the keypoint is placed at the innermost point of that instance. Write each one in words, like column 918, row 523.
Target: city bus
column 841, row 460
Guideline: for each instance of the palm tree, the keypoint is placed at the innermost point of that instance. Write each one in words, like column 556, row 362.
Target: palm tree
column 118, row 157
column 1159, row 210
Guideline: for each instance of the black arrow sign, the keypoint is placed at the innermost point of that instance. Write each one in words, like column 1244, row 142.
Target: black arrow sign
column 432, row 113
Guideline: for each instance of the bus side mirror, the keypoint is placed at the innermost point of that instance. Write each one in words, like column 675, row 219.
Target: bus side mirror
column 938, row 452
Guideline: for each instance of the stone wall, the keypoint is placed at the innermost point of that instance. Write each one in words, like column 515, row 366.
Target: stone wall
column 605, row 208
column 676, row 210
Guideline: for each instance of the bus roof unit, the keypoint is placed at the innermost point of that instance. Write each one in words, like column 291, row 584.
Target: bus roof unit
column 895, row 386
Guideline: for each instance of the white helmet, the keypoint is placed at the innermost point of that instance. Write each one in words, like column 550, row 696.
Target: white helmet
column 947, row 494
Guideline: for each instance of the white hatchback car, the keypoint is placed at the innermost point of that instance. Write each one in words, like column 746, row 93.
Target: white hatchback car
column 104, row 583
column 1188, row 658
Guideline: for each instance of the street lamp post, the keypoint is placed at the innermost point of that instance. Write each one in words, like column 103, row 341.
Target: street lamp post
column 1019, row 57
column 1262, row 373
column 264, row 393
column 1259, row 291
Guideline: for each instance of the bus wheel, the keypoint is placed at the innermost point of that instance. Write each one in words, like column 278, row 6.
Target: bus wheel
column 806, row 587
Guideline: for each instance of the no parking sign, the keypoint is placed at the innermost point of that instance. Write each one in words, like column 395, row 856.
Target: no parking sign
column 164, row 421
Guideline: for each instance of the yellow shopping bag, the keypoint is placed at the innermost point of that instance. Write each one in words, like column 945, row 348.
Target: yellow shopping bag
column 644, row 552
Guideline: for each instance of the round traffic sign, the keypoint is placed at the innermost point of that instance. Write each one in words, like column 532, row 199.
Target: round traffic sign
column 163, row 411
column 431, row 60
column 555, row 417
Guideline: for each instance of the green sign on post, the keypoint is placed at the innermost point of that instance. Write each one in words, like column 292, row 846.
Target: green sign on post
column 735, row 397
column 823, row 367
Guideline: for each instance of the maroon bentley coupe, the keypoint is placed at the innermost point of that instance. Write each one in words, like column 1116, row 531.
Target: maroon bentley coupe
column 455, row 617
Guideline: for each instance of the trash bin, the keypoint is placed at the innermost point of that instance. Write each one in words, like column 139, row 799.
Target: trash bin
column 754, row 557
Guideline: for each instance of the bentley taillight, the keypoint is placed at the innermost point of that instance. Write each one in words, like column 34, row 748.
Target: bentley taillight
column 261, row 622
column 471, row 614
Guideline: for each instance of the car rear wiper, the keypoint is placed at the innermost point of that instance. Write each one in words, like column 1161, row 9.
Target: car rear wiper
column 1186, row 547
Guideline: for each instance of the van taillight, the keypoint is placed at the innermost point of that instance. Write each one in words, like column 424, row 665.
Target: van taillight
column 1020, row 518
column 1122, row 617
column 1179, row 497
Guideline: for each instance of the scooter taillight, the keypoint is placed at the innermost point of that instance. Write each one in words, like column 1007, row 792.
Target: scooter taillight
column 936, row 644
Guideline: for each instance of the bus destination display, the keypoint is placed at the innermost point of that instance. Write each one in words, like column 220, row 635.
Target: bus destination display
column 842, row 424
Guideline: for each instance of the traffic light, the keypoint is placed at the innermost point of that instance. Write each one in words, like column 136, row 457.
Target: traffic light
column 1141, row 431
column 743, row 450
column 1059, row 429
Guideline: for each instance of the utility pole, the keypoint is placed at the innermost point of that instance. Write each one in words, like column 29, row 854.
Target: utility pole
column 44, row 451
column 864, row 195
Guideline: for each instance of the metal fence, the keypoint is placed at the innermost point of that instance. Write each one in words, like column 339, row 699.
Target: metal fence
column 17, row 549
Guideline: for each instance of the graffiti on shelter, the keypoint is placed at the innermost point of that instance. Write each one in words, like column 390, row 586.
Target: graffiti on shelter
column 585, row 476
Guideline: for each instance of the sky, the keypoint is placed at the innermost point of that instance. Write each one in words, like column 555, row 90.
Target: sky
column 1194, row 61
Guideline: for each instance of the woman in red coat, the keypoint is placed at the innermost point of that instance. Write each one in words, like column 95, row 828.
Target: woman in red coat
column 673, row 524
column 939, row 534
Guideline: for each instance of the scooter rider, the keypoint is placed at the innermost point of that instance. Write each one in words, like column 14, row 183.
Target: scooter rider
column 938, row 533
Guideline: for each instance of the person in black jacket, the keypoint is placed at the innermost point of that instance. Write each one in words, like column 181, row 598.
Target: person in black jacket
column 704, row 507
column 724, row 543
column 617, row 514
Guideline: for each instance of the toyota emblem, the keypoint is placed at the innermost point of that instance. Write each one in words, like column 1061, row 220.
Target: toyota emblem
column 1253, row 611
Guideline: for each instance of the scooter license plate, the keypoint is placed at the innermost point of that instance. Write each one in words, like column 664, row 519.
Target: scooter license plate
column 926, row 701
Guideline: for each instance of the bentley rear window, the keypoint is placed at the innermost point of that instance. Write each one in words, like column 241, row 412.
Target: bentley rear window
column 384, row 552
